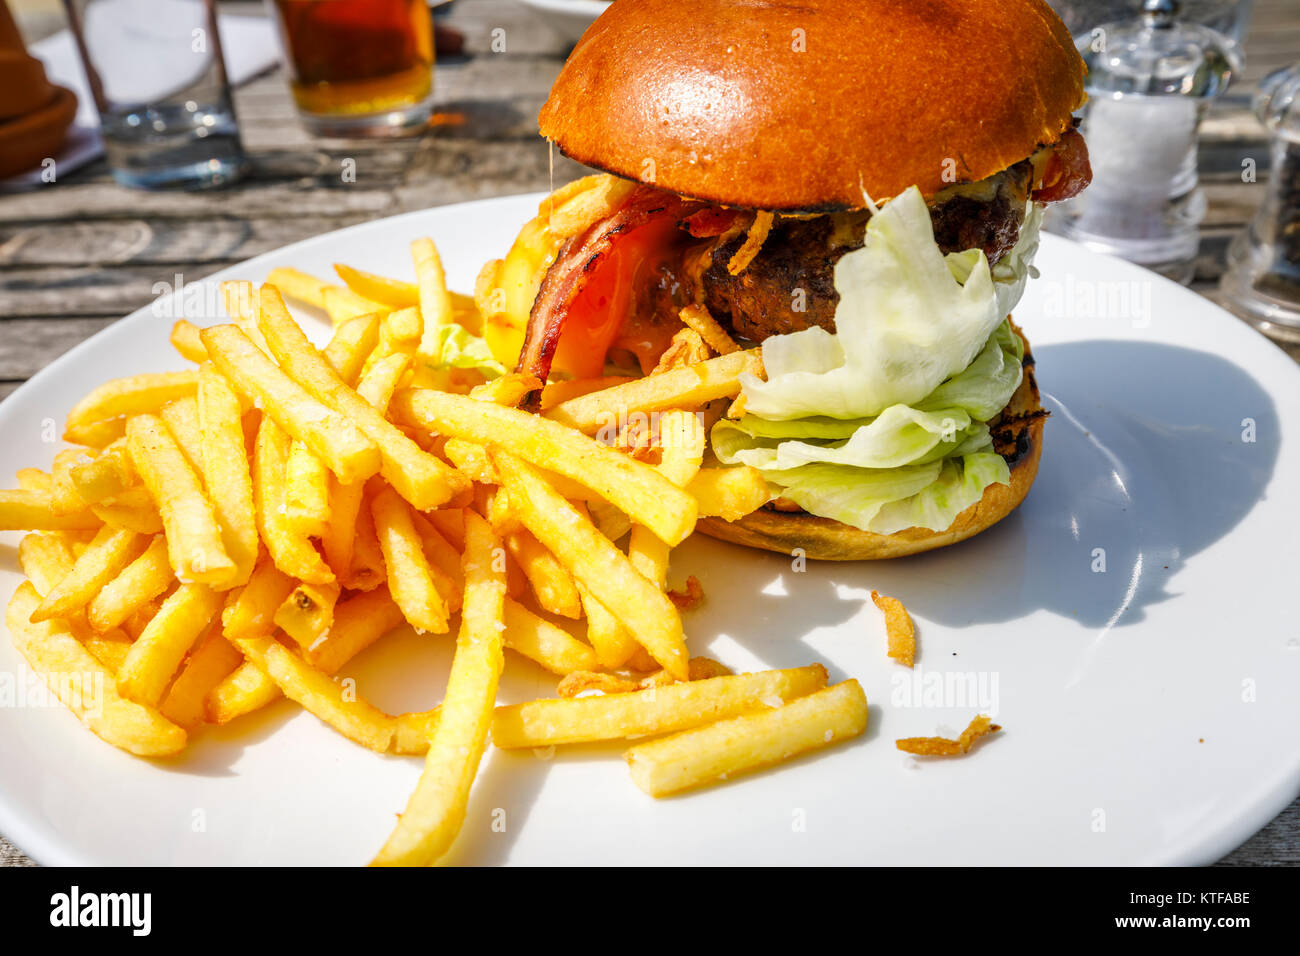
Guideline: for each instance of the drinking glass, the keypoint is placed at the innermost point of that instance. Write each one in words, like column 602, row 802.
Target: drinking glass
column 155, row 70
column 358, row 67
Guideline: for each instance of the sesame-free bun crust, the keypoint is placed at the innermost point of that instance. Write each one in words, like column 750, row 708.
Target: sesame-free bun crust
column 829, row 540
column 802, row 105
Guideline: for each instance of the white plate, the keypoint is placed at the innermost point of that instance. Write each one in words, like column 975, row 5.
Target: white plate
column 1150, row 709
column 569, row 18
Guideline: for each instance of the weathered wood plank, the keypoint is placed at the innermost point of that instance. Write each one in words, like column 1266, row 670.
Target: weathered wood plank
column 155, row 241
column 28, row 345
column 94, row 290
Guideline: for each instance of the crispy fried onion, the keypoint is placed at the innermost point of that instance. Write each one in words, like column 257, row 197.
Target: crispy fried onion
column 943, row 746
column 579, row 682
column 579, row 257
column 691, row 598
column 754, row 240
column 898, row 628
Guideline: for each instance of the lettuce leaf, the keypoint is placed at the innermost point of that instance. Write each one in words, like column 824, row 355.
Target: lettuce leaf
column 883, row 424
column 889, row 500
column 902, row 434
column 909, row 318
column 456, row 347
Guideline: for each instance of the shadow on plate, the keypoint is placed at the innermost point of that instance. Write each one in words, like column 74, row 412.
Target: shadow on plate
column 1153, row 453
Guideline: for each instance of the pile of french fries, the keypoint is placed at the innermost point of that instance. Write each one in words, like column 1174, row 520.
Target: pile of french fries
column 222, row 537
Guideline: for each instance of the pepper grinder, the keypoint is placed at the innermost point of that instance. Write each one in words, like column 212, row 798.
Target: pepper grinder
column 1150, row 81
column 1262, row 283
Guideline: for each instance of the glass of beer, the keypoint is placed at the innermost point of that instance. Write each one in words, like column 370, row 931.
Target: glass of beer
column 358, row 67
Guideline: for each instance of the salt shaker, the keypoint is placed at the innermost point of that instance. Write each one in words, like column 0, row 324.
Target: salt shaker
column 1262, row 283
column 1150, row 81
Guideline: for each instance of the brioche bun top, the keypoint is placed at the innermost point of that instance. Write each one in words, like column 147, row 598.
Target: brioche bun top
column 802, row 105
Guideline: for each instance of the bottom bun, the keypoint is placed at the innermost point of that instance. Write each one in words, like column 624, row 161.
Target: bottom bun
column 829, row 540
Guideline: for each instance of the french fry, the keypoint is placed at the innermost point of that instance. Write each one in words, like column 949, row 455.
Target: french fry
column 185, row 339
column 551, row 582
column 351, row 345
column 687, row 387
column 193, row 537
column 108, row 474
column 358, row 622
column 414, row 731
column 148, row 576
column 33, row 479
column 97, row 434
column 509, row 389
column 434, row 814
column 392, row 293
column 291, row 551
column 250, row 612
column 719, row 751
column 330, row 435
column 339, row 538
column 899, row 629
column 25, row 510
column 46, row 559
column 715, row 336
column 681, row 440
column 656, row 710
column 729, row 493
column 307, row 614
column 299, row 286
column 248, row 688
column 613, row 644
column 632, row 486
column 568, row 212
column 127, row 396
column 109, row 552
column 539, row 640
column 352, row 716
column 422, row 479
column 212, row 661
column 158, row 651
column 556, row 392
column 472, row 459
column 382, row 378
column 434, row 300
column 596, row 563
column 410, row 576
column 85, row 685
column 649, row 555
column 226, row 471
column 526, row 633
column 306, row 492
column 241, row 304
column 182, row 419
column 368, row 570
column 65, row 497
column 133, row 510
column 344, row 304
column 399, row 333
column 110, row 650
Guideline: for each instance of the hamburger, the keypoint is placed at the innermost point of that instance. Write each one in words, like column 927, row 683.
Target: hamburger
column 854, row 187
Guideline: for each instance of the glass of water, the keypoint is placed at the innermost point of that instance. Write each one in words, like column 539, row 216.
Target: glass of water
column 155, row 70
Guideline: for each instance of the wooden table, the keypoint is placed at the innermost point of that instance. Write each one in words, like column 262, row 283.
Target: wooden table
column 78, row 256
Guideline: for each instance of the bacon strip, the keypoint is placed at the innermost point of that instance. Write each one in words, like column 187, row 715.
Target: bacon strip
column 711, row 221
column 576, row 262
column 1068, row 171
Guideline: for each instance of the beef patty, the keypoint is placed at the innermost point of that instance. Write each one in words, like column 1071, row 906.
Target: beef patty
column 790, row 284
